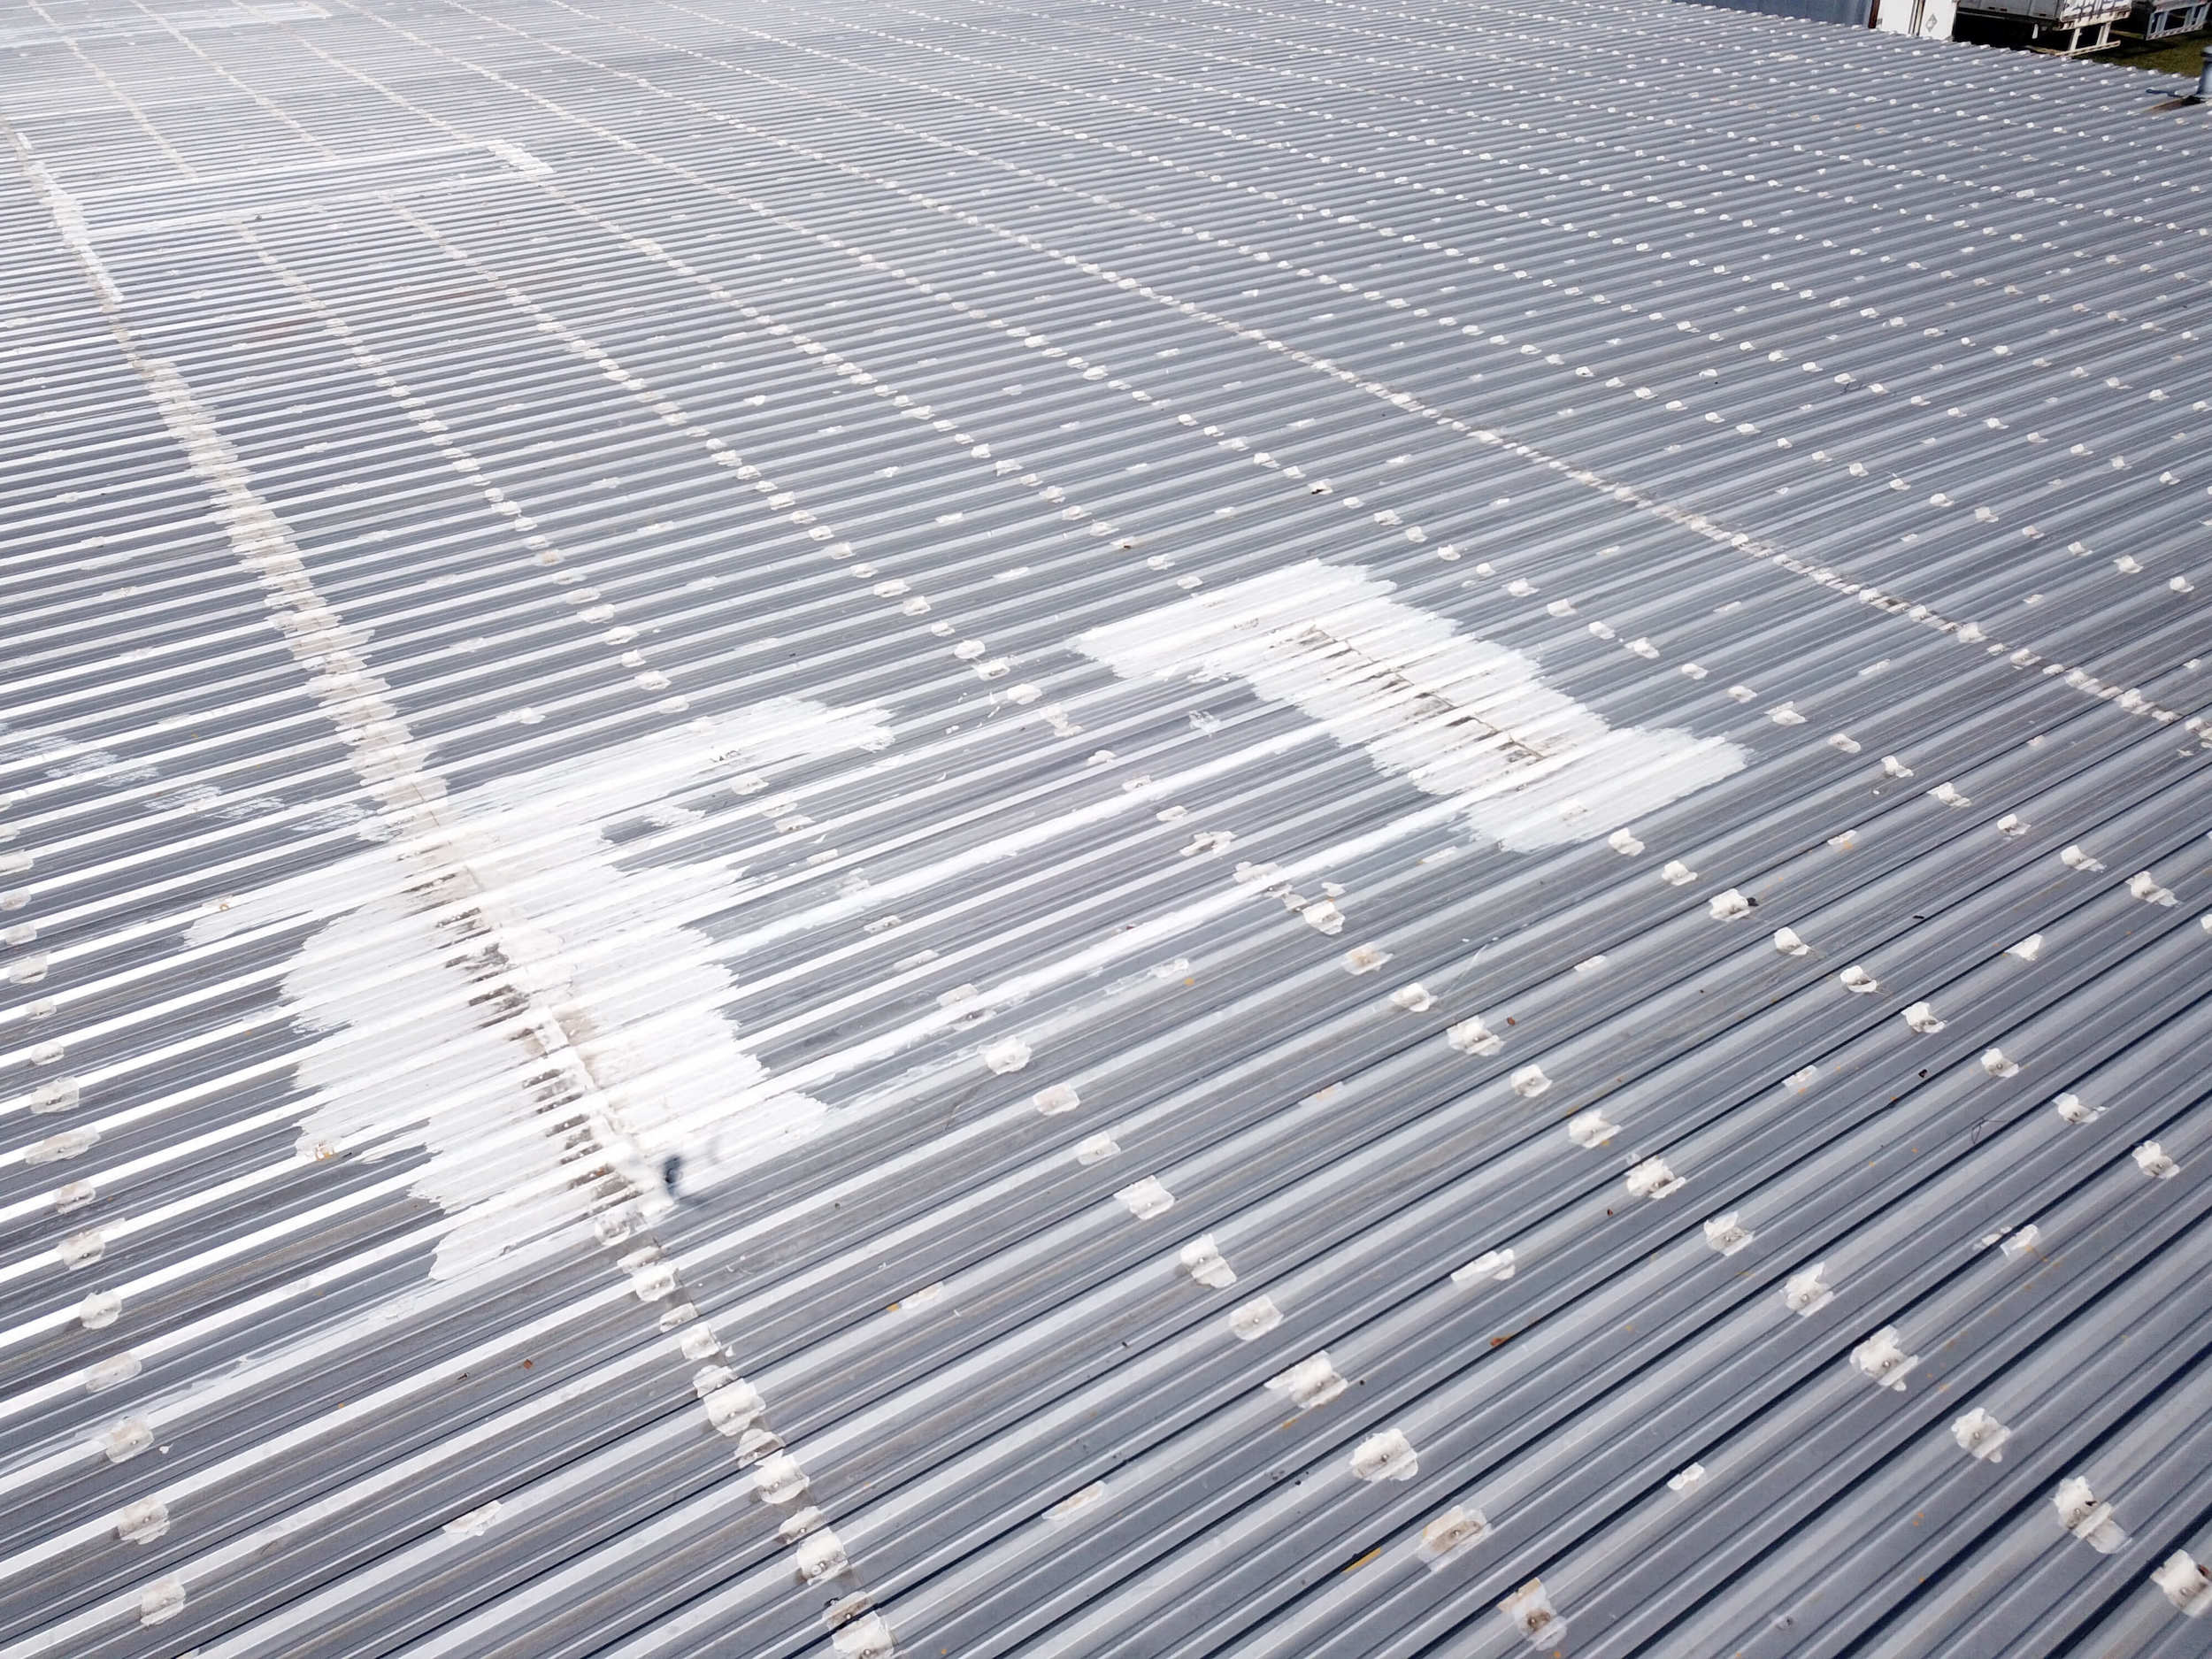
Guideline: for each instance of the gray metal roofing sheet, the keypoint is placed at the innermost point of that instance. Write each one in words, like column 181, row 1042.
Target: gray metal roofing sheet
column 1849, row 13
column 1263, row 827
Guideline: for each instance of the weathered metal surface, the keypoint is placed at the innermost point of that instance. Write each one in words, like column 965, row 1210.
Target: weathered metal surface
column 1093, row 827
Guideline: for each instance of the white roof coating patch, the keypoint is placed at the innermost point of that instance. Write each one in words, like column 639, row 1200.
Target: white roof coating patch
column 605, row 944
column 1527, row 765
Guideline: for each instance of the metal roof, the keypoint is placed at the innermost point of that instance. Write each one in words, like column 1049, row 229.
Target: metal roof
column 1857, row 14
column 1264, row 827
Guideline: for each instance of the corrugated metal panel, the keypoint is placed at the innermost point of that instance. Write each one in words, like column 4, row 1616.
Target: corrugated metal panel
column 1851, row 13
column 1266, row 828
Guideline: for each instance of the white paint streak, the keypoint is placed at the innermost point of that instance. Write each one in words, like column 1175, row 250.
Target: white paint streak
column 633, row 989
column 610, row 1005
column 1457, row 715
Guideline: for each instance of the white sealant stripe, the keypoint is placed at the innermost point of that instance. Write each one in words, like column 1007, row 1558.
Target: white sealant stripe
column 382, row 751
column 392, row 764
column 1697, row 523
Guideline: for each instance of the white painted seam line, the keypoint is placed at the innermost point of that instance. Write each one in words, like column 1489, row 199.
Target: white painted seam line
column 383, row 751
column 386, row 753
column 1696, row 522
